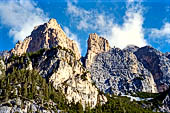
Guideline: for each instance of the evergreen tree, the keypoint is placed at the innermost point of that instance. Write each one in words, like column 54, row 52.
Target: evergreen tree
column 25, row 90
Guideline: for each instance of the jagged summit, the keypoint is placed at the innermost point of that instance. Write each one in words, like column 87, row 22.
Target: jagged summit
column 129, row 71
column 119, row 72
column 52, row 23
column 46, row 36
column 131, row 48
column 96, row 45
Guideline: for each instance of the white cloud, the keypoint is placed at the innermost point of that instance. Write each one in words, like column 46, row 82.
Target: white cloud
column 87, row 19
column 21, row 16
column 72, row 36
column 129, row 33
column 164, row 31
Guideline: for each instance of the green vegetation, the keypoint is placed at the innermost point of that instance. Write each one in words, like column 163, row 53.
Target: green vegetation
column 146, row 95
column 30, row 85
column 36, row 54
column 139, row 78
column 84, row 76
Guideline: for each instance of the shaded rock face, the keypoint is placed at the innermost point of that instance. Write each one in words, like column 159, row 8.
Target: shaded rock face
column 46, row 36
column 158, row 64
column 4, row 54
column 165, row 98
column 167, row 54
column 119, row 72
column 96, row 45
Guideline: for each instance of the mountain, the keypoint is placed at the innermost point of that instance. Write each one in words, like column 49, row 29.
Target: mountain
column 57, row 59
column 46, row 36
column 96, row 45
column 158, row 64
column 118, row 71
column 46, row 73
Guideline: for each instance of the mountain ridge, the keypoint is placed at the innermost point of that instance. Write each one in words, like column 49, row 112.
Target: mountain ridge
column 106, row 70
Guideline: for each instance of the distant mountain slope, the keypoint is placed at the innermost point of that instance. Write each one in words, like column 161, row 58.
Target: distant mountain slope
column 120, row 72
column 158, row 64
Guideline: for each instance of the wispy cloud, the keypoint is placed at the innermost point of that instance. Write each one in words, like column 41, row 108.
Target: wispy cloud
column 72, row 36
column 162, row 33
column 130, row 32
column 21, row 16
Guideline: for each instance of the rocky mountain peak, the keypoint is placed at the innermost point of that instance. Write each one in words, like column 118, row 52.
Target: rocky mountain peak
column 157, row 63
column 52, row 22
column 96, row 45
column 119, row 72
column 46, row 36
column 131, row 48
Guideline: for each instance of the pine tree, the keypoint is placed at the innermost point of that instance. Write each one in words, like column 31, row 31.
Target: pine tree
column 25, row 90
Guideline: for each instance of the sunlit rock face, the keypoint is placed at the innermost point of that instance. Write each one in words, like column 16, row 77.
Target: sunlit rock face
column 46, row 36
column 96, row 45
column 67, row 73
column 59, row 63
column 111, row 70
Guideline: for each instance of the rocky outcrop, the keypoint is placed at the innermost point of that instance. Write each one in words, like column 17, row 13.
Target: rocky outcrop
column 46, row 36
column 96, row 45
column 131, row 48
column 57, row 59
column 167, row 54
column 60, row 66
column 115, row 71
column 158, row 64
column 165, row 104
column 4, row 54
column 2, row 67
column 118, row 71
column 17, row 105
column 21, row 47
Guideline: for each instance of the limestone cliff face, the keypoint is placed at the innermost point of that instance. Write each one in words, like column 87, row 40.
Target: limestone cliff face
column 158, row 64
column 60, row 66
column 119, row 72
column 46, row 36
column 2, row 67
column 68, row 74
column 96, row 45
column 58, row 61
column 21, row 47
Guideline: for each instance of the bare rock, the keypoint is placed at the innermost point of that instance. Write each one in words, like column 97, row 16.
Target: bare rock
column 96, row 45
column 167, row 54
column 68, row 74
column 21, row 47
column 47, row 35
column 119, row 72
column 158, row 64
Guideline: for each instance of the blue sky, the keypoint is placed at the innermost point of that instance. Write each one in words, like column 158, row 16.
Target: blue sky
column 122, row 22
